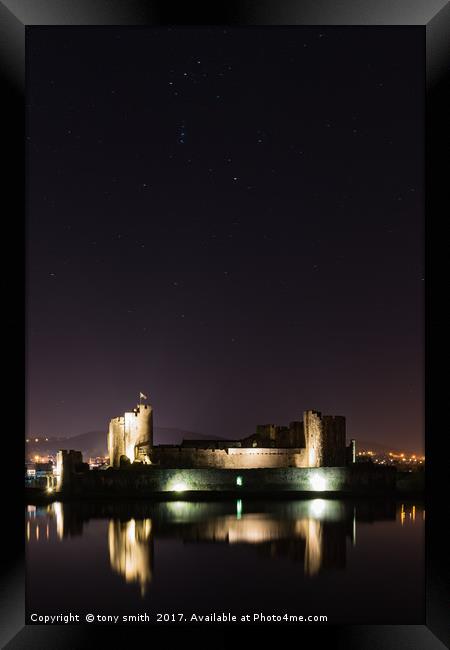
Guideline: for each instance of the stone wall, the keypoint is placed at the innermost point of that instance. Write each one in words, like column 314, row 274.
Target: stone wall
column 148, row 480
column 228, row 458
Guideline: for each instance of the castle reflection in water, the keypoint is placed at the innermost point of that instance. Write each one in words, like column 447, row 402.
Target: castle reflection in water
column 313, row 532
column 130, row 546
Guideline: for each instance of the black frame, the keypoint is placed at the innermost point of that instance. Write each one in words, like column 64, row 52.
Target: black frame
column 18, row 15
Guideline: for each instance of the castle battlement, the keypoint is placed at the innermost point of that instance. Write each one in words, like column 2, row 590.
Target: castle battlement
column 316, row 441
column 131, row 435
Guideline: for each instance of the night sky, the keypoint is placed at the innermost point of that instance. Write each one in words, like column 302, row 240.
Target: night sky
column 229, row 220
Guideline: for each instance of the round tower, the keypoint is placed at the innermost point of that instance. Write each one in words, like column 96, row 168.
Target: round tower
column 139, row 432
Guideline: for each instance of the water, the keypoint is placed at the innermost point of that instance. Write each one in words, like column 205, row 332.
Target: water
column 353, row 561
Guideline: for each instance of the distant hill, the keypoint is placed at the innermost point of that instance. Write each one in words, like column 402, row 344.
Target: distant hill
column 93, row 443
column 366, row 445
column 377, row 447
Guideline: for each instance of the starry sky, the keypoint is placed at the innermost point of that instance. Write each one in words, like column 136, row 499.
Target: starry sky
column 229, row 220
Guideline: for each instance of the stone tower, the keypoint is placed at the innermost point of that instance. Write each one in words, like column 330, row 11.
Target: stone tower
column 334, row 454
column 325, row 439
column 312, row 423
column 131, row 435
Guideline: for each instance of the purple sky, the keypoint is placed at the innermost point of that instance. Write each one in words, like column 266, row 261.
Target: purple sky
column 230, row 221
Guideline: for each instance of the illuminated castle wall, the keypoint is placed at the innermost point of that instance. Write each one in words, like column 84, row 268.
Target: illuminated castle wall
column 317, row 441
column 131, row 435
column 228, row 457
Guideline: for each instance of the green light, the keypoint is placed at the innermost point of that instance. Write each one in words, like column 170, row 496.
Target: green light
column 239, row 480
column 238, row 508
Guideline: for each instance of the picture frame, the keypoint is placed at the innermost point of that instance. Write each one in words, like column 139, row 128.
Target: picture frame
column 19, row 16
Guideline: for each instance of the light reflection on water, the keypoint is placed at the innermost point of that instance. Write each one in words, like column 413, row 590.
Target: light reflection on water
column 312, row 533
column 130, row 545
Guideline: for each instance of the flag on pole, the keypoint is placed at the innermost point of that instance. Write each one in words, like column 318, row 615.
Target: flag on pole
column 142, row 396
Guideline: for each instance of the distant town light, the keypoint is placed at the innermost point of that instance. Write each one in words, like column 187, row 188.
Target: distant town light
column 239, row 480
column 318, row 483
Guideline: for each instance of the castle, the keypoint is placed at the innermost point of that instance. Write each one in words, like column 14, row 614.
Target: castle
column 316, row 441
column 131, row 436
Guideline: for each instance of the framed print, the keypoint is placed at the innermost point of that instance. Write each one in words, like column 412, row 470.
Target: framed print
column 227, row 219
